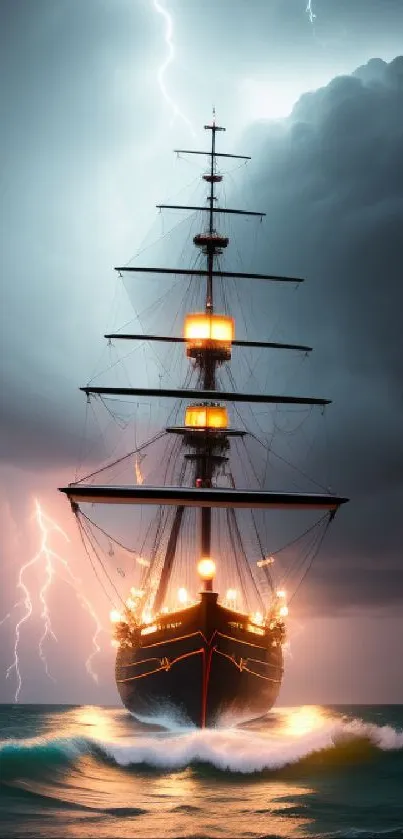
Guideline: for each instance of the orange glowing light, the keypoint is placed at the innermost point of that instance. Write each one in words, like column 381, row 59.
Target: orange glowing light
column 212, row 332
column 206, row 568
column 257, row 618
column 301, row 721
column 202, row 327
column 206, row 416
column 139, row 474
column 147, row 630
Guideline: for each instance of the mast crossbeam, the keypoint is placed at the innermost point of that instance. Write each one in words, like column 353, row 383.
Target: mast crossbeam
column 211, row 154
column 235, row 343
column 200, row 497
column 198, row 272
column 207, row 209
column 214, row 395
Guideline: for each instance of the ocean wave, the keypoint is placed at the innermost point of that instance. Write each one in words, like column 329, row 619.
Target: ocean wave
column 235, row 750
column 29, row 757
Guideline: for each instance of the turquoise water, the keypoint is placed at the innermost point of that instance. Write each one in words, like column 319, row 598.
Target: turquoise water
column 89, row 771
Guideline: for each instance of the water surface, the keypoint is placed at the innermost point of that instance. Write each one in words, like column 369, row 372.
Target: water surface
column 87, row 771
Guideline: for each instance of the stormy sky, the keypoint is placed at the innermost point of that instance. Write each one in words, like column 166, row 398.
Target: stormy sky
column 86, row 145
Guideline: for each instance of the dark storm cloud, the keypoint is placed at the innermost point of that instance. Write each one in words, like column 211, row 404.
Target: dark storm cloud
column 331, row 180
column 75, row 111
column 67, row 76
column 330, row 592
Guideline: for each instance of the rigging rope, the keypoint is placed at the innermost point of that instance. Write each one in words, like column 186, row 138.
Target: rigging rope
column 292, row 466
column 81, row 531
column 124, row 457
column 314, row 555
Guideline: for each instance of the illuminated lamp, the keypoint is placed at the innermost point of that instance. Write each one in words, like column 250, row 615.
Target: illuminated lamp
column 257, row 618
column 206, row 416
column 206, row 569
column 283, row 612
column 182, row 595
column 209, row 332
column 115, row 616
column 269, row 560
column 203, row 327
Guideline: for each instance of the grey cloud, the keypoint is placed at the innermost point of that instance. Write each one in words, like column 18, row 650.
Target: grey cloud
column 329, row 592
column 331, row 179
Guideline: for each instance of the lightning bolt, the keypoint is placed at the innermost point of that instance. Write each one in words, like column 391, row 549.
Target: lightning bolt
column 139, row 474
column 47, row 556
column 168, row 61
column 310, row 12
column 6, row 617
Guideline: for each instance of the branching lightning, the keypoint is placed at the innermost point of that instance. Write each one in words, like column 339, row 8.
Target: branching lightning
column 48, row 558
column 310, row 12
column 168, row 61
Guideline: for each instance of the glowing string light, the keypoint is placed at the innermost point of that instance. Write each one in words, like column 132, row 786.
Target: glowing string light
column 50, row 558
column 168, row 61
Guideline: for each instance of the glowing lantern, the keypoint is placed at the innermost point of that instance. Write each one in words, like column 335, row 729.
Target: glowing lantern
column 182, row 595
column 206, row 568
column 261, row 563
column 257, row 618
column 213, row 332
column 206, row 416
column 283, row 612
column 115, row 616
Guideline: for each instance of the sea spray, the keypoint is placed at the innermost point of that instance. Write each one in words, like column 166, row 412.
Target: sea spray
column 233, row 749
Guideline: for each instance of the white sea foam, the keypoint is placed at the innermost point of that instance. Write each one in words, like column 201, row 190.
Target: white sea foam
column 237, row 751
column 288, row 736
column 383, row 736
column 299, row 734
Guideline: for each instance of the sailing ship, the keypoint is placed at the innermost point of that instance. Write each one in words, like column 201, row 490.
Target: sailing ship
column 216, row 646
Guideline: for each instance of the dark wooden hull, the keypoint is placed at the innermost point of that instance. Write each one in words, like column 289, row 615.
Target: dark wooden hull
column 201, row 663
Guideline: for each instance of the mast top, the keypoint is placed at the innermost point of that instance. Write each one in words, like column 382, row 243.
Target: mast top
column 212, row 126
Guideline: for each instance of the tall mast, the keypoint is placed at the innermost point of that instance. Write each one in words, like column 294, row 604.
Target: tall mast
column 209, row 365
column 205, row 463
column 210, row 255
